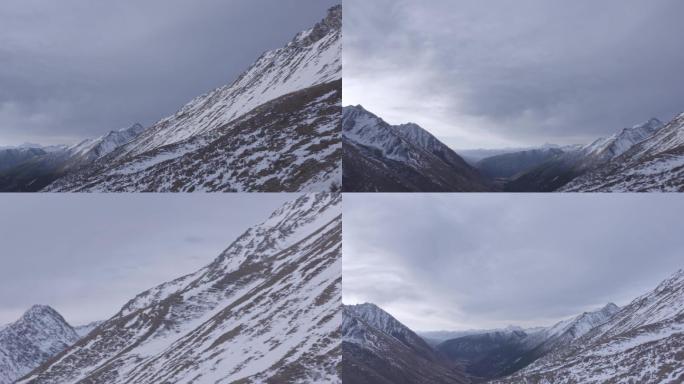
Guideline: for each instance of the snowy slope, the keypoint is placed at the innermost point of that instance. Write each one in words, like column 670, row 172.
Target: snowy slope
column 381, row 157
column 642, row 343
column 379, row 349
column 37, row 336
column 655, row 164
column 274, row 128
column 266, row 309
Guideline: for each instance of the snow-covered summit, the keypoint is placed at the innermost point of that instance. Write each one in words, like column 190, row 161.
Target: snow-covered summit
column 38, row 335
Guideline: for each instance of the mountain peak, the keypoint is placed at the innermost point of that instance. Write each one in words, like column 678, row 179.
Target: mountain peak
column 40, row 310
column 38, row 335
column 610, row 307
column 331, row 23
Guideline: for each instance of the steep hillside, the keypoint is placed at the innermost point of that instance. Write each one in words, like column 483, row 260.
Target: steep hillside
column 267, row 309
column 556, row 173
column 275, row 128
column 642, row 343
column 655, row 164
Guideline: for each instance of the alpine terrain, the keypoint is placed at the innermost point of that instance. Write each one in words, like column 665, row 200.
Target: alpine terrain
column 642, row 343
column 379, row 157
column 378, row 349
column 499, row 353
column 266, row 310
column 30, row 341
column 562, row 169
column 654, row 164
column 30, row 168
column 275, row 128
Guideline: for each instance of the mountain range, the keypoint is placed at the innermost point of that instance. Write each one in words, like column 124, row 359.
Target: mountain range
column 406, row 158
column 266, row 310
column 275, row 128
column 641, row 342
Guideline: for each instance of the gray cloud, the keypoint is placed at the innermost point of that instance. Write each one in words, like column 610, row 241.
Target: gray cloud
column 506, row 73
column 87, row 255
column 78, row 68
column 445, row 261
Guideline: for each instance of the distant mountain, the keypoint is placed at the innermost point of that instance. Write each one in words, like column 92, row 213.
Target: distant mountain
column 558, row 171
column 37, row 336
column 642, row 343
column 433, row 338
column 266, row 310
column 92, row 149
column 275, row 128
column 43, row 165
column 511, row 164
column 378, row 349
column 404, row 158
column 654, row 164
column 500, row 353
column 11, row 157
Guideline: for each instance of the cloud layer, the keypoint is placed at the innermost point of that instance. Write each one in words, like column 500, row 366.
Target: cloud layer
column 87, row 255
column 78, row 68
column 448, row 261
column 515, row 73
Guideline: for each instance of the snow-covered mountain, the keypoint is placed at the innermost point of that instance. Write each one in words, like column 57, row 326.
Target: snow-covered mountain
column 559, row 172
column 37, row 336
column 378, row 349
column 381, row 157
column 275, row 128
column 654, row 164
column 93, row 149
column 641, row 343
column 30, row 168
column 267, row 309
column 608, row 148
column 487, row 355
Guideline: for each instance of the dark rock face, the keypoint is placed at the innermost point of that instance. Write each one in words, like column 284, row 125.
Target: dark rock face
column 378, row 157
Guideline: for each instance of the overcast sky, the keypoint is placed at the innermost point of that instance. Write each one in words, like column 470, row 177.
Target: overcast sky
column 455, row 262
column 72, row 69
column 87, row 255
column 486, row 74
